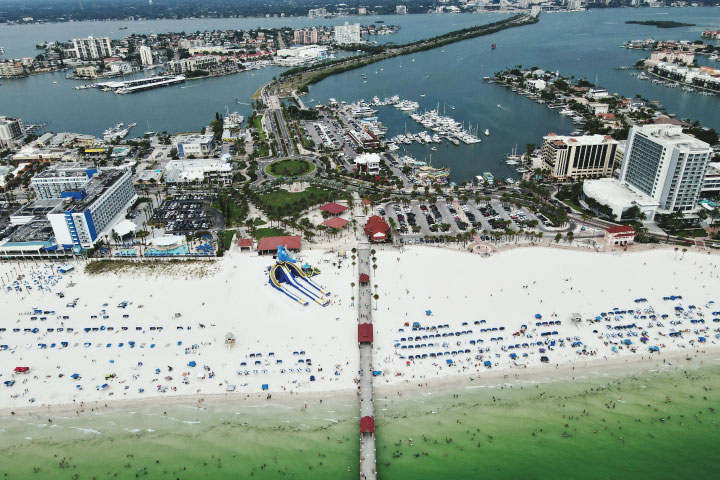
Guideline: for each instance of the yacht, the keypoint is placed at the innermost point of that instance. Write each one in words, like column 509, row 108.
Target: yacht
column 510, row 181
column 487, row 132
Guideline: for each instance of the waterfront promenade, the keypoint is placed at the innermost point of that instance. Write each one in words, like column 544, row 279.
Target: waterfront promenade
column 367, row 410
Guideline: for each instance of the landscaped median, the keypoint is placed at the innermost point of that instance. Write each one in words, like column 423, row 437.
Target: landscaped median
column 289, row 168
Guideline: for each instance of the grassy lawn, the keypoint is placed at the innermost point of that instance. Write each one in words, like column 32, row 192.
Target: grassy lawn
column 287, row 202
column 694, row 233
column 233, row 209
column 259, row 222
column 262, row 147
column 572, row 204
column 289, row 168
column 269, row 232
column 227, row 238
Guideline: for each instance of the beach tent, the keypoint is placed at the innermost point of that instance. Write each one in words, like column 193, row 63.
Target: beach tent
column 487, row 363
column 538, row 316
column 191, row 364
column 75, row 376
column 265, row 386
column 21, row 369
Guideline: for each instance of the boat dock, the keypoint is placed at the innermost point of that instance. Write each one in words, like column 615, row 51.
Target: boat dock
column 140, row 84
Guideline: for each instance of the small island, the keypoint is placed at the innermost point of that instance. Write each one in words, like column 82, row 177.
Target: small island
column 661, row 23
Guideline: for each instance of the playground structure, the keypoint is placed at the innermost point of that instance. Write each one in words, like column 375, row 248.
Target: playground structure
column 286, row 273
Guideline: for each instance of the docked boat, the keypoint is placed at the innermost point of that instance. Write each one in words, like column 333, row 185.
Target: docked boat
column 488, row 177
column 510, row 181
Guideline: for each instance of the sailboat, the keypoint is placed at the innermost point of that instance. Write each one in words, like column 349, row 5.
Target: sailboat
column 149, row 132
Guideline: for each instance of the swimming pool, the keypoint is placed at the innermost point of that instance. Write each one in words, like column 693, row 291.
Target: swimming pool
column 153, row 252
column 127, row 252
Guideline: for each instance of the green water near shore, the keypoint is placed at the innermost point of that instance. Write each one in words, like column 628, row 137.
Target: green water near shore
column 223, row 441
column 645, row 425
column 659, row 425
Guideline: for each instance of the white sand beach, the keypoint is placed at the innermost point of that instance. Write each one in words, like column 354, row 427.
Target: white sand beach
column 484, row 309
column 482, row 300
column 278, row 342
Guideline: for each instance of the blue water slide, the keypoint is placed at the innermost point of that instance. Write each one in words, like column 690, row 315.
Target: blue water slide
column 277, row 285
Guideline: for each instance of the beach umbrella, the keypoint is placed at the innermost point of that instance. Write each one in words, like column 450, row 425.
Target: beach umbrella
column 75, row 376
column 428, row 312
column 191, row 364
column 448, row 361
column 487, row 363
column 538, row 316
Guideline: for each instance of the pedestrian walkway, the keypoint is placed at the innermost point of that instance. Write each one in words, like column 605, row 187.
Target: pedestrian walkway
column 367, row 410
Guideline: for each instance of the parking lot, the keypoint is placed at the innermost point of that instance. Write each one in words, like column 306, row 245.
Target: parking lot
column 185, row 214
column 420, row 219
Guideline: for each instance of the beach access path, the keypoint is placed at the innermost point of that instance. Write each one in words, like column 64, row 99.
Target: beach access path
column 367, row 439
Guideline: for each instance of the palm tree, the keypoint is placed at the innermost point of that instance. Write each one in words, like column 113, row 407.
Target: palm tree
column 376, row 296
column 683, row 253
column 558, row 237
column 676, row 252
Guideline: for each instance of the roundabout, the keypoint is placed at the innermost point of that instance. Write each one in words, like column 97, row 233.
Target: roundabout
column 289, row 167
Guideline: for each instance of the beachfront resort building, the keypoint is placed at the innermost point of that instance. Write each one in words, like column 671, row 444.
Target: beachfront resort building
column 91, row 48
column 52, row 182
column 214, row 170
column 587, row 156
column 87, row 212
column 347, row 34
column 667, row 165
column 619, row 197
column 195, row 145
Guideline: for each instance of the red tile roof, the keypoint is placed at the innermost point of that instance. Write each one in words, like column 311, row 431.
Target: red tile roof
column 365, row 333
column 245, row 242
column 377, row 228
column 334, row 208
column 271, row 243
column 335, row 222
column 364, row 278
column 627, row 229
column 367, row 425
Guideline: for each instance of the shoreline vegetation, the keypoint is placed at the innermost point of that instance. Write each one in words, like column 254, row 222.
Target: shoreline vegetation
column 299, row 78
column 660, row 23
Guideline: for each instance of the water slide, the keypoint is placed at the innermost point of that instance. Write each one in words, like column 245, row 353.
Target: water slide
column 277, row 285
column 291, row 280
column 298, row 272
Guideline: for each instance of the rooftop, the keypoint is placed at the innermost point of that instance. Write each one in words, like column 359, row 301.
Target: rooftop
column 610, row 191
column 97, row 185
column 580, row 140
column 271, row 243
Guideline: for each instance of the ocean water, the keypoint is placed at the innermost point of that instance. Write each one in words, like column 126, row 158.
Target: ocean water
column 575, row 44
column 655, row 425
column 651, row 425
column 223, row 440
